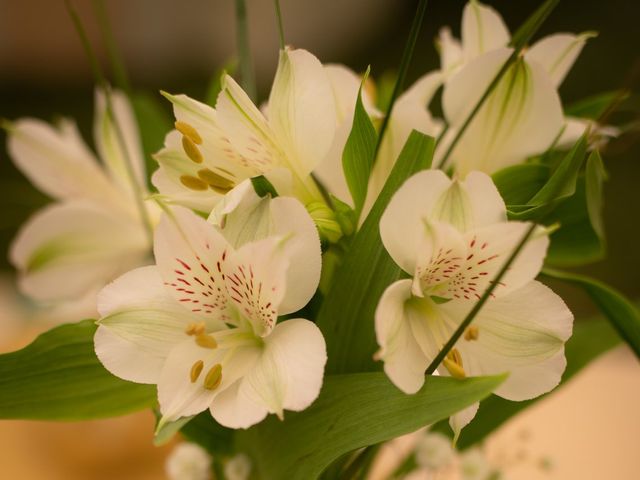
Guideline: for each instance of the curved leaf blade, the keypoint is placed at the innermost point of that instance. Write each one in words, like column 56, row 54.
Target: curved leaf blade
column 622, row 314
column 59, row 377
column 354, row 411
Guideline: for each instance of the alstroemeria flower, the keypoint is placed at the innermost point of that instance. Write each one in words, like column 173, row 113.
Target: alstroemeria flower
column 94, row 230
column 202, row 323
column 214, row 149
column 452, row 237
column 523, row 116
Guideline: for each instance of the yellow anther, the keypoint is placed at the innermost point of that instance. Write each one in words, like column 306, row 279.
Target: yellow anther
column 196, row 369
column 193, row 183
column 453, row 363
column 217, row 182
column 471, row 333
column 195, row 328
column 192, row 150
column 188, row 131
column 206, row 341
column 213, row 378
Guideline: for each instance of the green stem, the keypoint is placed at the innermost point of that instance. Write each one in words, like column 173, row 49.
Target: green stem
column 407, row 55
column 101, row 81
column 244, row 51
column 117, row 64
column 280, row 27
column 518, row 42
column 478, row 305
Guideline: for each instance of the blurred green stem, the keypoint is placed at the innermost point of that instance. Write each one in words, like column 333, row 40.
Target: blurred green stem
column 247, row 75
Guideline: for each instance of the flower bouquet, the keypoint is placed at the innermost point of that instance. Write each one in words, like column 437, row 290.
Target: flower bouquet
column 305, row 279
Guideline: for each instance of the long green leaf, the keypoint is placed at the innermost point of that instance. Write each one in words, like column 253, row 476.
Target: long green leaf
column 59, row 377
column 353, row 411
column 590, row 338
column 622, row 314
column 595, row 175
column 346, row 317
column 358, row 154
column 526, row 31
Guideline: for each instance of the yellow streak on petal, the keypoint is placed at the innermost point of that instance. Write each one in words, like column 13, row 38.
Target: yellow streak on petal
column 196, row 369
column 188, row 131
column 191, row 149
column 193, row 183
column 206, row 341
column 213, row 378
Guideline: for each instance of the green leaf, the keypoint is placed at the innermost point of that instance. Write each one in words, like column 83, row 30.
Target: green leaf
column 359, row 152
column 165, row 433
column 263, row 187
column 346, row 317
column 595, row 175
column 59, row 377
column 594, row 107
column 519, row 183
column 590, row 338
column 576, row 241
column 210, row 435
column 560, row 185
column 353, row 411
column 622, row 314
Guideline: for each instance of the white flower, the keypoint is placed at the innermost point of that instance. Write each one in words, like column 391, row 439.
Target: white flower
column 213, row 150
column 453, row 238
column 238, row 467
column 94, row 231
column 434, row 451
column 523, row 115
column 202, row 323
column 188, row 461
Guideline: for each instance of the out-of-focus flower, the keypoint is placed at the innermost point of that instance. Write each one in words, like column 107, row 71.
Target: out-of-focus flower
column 95, row 230
column 202, row 323
column 238, row 467
column 523, row 115
column 453, row 238
column 188, row 461
column 434, row 451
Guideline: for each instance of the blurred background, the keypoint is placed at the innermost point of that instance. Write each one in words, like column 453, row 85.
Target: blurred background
column 177, row 46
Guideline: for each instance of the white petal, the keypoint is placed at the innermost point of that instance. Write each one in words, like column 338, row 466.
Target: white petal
column 68, row 249
column 218, row 153
column 442, row 253
column 302, row 249
column 521, row 117
column 289, row 374
column 557, row 53
column 179, row 396
column 141, row 322
column 461, row 419
column 345, row 84
column 245, row 217
column 573, row 129
column 330, row 172
column 410, row 113
column 174, row 192
column 255, row 277
column 404, row 360
column 190, row 254
column 486, row 202
column 233, row 408
column 247, row 129
column 483, row 30
column 302, row 110
column 118, row 141
column 58, row 162
column 401, row 226
column 522, row 333
column 451, row 55
column 488, row 250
